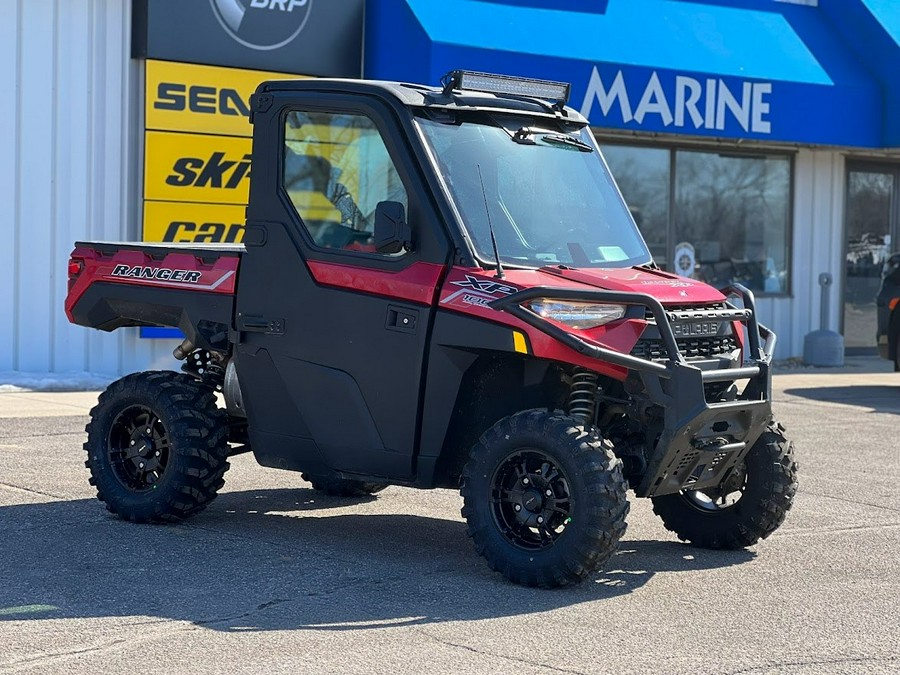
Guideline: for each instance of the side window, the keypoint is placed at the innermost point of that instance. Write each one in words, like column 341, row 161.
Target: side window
column 336, row 170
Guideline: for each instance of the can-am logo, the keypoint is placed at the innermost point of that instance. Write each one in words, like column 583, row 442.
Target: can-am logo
column 262, row 24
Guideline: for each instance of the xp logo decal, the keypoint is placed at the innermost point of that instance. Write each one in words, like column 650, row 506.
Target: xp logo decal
column 477, row 292
column 262, row 24
column 489, row 287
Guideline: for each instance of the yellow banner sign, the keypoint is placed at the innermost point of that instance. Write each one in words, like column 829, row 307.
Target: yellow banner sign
column 202, row 99
column 196, row 168
column 194, row 223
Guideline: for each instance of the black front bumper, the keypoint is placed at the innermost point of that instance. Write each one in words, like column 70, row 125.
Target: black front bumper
column 701, row 441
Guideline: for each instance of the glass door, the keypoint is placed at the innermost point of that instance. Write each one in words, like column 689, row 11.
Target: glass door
column 871, row 230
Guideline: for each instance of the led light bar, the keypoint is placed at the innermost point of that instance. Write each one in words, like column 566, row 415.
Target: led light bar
column 504, row 84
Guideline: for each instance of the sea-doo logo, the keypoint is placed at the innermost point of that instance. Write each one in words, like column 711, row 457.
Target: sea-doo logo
column 158, row 273
column 215, row 172
column 200, row 99
column 262, row 24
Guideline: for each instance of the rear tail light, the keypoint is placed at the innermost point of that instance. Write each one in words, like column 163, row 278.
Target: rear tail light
column 76, row 267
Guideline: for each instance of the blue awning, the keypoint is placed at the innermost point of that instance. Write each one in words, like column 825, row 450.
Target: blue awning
column 872, row 29
column 756, row 70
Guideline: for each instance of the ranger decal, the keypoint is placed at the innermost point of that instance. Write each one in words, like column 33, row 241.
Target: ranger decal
column 160, row 273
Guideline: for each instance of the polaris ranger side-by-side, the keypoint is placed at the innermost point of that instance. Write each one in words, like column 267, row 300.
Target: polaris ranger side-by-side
column 441, row 287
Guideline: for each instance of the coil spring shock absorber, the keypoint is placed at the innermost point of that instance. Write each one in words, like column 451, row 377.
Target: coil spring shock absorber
column 204, row 365
column 583, row 396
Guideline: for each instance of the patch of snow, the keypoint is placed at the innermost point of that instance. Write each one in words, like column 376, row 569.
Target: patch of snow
column 14, row 380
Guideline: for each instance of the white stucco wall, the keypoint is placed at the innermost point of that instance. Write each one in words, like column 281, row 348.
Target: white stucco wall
column 68, row 171
column 817, row 246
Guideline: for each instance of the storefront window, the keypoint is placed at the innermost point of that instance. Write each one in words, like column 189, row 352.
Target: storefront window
column 643, row 178
column 731, row 210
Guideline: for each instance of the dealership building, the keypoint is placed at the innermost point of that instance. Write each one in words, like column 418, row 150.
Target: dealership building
column 755, row 141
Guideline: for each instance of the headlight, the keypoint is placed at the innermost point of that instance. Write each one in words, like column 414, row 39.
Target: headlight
column 577, row 314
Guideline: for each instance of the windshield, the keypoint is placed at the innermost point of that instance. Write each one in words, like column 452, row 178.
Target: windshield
column 547, row 193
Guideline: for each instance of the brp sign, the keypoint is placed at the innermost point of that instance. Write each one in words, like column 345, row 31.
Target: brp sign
column 262, row 24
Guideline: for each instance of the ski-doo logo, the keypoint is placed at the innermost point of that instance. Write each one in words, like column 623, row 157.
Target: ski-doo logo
column 490, row 287
column 262, row 24
column 215, row 172
column 158, row 273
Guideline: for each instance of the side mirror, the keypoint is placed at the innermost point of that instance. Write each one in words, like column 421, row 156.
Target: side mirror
column 392, row 233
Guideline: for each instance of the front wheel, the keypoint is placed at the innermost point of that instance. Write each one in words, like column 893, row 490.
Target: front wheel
column 157, row 446
column 750, row 504
column 544, row 498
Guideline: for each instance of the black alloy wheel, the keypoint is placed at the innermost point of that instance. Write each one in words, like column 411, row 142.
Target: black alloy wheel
column 725, row 496
column 138, row 448
column 751, row 503
column 531, row 499
column 544, row 498
column 157, row 446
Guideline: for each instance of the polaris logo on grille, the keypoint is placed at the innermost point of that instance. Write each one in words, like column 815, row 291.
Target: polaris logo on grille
column 695, row 328
column 156, row 273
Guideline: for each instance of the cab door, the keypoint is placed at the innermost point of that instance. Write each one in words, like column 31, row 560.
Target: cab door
column 332, row 333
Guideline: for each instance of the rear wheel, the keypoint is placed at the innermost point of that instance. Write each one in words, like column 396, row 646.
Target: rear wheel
column 343, row 487
column 544, row 498
column 157, row 446
column 749, row 505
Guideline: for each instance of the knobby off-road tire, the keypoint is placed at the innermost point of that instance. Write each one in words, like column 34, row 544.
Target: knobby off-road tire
column 342, row 487
column 544, row 498
column 766, row 495
column 157, row 447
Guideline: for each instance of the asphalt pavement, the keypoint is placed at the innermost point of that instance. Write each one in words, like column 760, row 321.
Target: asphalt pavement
column 274, row 578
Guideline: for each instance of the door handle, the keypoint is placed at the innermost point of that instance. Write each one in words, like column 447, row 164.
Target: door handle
column 401, row 319
column 256, row 323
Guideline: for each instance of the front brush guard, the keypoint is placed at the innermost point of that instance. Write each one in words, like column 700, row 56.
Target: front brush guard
column 700, row 442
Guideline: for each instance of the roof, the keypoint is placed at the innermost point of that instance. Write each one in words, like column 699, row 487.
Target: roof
column 420, row 95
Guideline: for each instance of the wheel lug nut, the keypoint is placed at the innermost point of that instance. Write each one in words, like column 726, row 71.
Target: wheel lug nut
column 540, row 519
column 149, row 431
column 157, row 453
column 141, row 465
column 549, row 493
column 518, row 507
column 132, row 442
column 524, row 481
